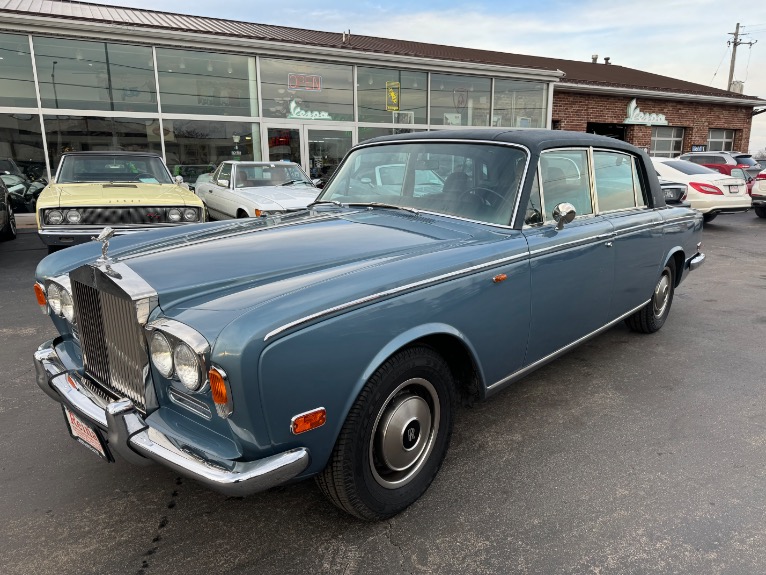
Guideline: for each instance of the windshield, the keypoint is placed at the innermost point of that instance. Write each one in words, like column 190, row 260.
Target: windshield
column 745, row 160
column 118, row 168
column 276, row 174
column 474, row 181
column 688, row 168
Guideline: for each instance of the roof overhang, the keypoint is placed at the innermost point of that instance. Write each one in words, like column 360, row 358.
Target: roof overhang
column 656, row 94
column 13, row 22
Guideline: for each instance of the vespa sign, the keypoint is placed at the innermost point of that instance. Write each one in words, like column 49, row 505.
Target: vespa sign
column 636, row 116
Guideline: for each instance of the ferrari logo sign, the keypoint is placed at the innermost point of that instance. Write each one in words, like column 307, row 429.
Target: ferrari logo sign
column 392, row 96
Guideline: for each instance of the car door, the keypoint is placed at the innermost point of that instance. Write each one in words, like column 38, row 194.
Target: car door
column 572, row 268
column 621, row 198
column 214, row 193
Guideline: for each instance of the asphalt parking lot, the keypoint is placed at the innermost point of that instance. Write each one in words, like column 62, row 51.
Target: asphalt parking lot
column 632, row 454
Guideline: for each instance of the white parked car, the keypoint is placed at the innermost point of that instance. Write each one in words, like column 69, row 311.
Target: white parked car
column 708, row 191
column 256, row 189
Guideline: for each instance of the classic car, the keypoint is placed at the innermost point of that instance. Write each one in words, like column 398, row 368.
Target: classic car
column 129, row 191
column 334, row 342
column 707, row 190
column 7, row 218
column 256, row 189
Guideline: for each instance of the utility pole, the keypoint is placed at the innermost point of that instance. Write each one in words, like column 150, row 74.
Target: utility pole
column 734, row 43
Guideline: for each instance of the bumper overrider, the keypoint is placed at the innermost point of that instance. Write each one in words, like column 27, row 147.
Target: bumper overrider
column 129, row 436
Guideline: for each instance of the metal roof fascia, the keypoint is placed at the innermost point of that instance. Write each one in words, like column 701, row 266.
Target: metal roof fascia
column 655, row 94
column 200, row 41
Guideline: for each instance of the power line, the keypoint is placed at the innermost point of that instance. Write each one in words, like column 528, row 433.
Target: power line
column 726, row 51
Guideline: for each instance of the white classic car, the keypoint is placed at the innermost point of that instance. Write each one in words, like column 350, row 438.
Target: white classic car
column 256, row 189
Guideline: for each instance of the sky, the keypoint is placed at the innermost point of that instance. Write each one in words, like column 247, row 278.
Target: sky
column 684, row 39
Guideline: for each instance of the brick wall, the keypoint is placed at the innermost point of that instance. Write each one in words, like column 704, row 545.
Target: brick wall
column 574, row 111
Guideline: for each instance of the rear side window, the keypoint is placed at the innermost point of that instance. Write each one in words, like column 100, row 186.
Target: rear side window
column 615, row 181
column 564, row 175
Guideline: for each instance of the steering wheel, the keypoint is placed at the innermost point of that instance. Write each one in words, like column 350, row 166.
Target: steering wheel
column 481, row 197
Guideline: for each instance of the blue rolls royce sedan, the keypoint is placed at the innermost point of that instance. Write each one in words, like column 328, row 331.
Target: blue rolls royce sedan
column 335, row 342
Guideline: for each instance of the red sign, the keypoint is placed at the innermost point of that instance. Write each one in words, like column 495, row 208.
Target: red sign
column 310, row 82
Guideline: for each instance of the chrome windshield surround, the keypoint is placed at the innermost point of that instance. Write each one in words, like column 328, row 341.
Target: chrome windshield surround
column 387, row 293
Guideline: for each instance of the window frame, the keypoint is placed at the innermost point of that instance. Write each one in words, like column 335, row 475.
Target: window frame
column 637, row 190
column 588, row 170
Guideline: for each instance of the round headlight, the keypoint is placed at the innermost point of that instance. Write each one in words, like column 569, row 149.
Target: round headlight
column 67, row 306
column 174, row 215
column 55, row 217
column 54, row 298
column 190, row 215
column 73, row 217
column 187, row 366
column 162, row 354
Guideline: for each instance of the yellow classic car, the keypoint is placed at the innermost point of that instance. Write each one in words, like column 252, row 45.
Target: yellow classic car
column 127, row 191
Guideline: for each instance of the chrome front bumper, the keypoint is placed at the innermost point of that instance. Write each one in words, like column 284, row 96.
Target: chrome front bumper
column 696, row 261
column 72, row 234
column 128, row 435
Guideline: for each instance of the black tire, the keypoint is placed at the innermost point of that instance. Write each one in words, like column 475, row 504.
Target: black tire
column 760, row 212
column 395, row 437
column 9, row 230
column 707, row 218
column 652, row 316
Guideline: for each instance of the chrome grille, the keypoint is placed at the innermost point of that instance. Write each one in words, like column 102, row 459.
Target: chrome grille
column 113, row 348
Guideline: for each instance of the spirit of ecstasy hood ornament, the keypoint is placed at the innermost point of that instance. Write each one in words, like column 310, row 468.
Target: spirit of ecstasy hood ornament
column 106, row 234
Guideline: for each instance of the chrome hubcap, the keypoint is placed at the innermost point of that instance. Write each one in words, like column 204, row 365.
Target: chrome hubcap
column 404, row 433
column 661, row 295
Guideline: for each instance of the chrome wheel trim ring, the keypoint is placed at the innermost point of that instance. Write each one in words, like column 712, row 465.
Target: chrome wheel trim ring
column 11, row 218
column 661, row 294
column 397, row 455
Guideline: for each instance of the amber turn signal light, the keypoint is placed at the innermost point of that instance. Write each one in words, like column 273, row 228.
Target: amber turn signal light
column 40, row 295
column 220, row 392
column 308, row 421
column 499, row 278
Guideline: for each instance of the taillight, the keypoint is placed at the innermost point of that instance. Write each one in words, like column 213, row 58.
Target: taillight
column 761, row 176
column 706, row 188
column 743, row 166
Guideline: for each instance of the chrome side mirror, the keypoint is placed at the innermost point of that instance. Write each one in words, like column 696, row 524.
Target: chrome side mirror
column 223, row 183
column 564, row 213
column 179, row 179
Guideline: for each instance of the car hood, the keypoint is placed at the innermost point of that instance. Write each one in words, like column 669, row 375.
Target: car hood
column 103, row 194
column 280, row 197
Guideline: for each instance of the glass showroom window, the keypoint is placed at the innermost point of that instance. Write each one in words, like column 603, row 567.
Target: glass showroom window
column 720, row 140
column 520, row 104
column 16, row 72
column 206, row 83
column 80, row 75
column 306, row 90
column 195, row 147
column 667, row 142
column 22, row 159
column 460, row 100
column 83, row 134
column 386, row 96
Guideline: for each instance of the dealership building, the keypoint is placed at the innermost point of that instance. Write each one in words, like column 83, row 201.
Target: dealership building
column 81, row 76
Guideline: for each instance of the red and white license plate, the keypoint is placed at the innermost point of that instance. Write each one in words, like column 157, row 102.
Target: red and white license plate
column 86, row 434
column 733, row 189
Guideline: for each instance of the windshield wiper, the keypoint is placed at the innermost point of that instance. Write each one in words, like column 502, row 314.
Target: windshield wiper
column 291, row 182
column 384, row 205
column 333, row 202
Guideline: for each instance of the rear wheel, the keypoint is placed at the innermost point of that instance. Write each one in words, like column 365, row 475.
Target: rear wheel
column 242, row 214
column 709, row 217
column 9, row 230
column 760, row 212
column 652, row 316
column 395, row 437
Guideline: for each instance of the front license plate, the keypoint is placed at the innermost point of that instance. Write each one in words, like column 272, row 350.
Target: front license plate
column 86, row 435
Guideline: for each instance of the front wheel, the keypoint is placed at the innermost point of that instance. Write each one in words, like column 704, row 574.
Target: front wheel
column 9, row 230
column 652, row 316
column 760, row 212
column 395, row 437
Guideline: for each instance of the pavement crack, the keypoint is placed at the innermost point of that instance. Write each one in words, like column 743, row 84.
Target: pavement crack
column 389, row 537
column 163, row 522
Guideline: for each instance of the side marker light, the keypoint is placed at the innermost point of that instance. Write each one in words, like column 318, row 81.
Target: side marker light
column 309, row 420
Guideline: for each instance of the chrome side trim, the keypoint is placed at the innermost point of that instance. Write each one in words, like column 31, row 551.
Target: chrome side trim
column 394, row 291
column 531, row 367
column 573, row 243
